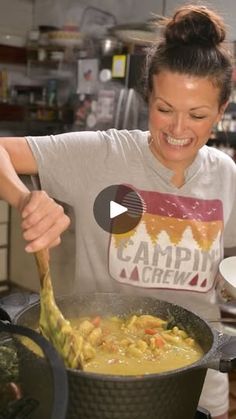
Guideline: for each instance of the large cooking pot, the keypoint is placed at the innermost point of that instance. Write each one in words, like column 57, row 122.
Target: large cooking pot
column 170, row 395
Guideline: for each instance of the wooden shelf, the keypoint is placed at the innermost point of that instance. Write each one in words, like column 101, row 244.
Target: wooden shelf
column 11, row 112
column 13, row 55
column 35, row 113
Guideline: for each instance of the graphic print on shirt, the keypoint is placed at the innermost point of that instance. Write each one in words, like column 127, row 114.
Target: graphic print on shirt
column 176, row 245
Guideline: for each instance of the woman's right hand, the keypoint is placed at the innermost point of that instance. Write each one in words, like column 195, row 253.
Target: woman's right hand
column 43, row 221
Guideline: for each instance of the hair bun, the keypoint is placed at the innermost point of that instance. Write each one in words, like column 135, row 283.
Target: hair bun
column 195, row 25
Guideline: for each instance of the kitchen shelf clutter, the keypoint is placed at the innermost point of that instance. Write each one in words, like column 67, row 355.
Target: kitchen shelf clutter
column 49, row 59
column 36, row 100
column 4, row 246
column 224, row 135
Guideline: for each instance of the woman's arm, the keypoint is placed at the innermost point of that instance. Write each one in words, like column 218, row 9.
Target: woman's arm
column 20, row 154
column 43, row 219
column 15, row 158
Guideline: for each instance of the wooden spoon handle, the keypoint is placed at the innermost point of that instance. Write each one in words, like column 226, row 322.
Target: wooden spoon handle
column 42, row 260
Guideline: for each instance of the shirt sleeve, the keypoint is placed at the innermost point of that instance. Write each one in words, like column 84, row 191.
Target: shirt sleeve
column 68, row 161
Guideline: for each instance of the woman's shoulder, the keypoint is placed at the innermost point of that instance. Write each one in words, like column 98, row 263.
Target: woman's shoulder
column 219, row 157
column 126, row 140
column 130, row 135
column 96, row 136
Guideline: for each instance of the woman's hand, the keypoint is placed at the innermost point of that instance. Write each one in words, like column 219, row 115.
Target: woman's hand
column 43, row 221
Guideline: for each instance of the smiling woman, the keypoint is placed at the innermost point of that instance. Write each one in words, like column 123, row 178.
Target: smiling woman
column 183, row 108
column 188, row 189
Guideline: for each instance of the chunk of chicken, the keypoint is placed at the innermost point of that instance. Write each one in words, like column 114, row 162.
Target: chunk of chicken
column 145, row 321
column 95, row 337
column 85, row 328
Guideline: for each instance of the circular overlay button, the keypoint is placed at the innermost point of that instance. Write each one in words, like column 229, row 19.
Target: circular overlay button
column 118, row 209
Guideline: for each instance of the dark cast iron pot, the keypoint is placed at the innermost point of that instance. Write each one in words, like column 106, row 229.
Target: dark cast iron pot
column 170, row 395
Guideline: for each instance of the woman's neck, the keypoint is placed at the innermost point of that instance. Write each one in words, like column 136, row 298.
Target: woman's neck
column 178, row 179
column 178, row 168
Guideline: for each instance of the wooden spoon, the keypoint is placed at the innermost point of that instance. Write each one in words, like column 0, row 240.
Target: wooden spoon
column 68, row 342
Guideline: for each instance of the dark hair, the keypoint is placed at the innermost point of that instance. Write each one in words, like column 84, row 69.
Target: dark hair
column 192, row 43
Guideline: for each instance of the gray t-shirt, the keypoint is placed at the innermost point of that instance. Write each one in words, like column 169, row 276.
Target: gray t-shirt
column 174, row 252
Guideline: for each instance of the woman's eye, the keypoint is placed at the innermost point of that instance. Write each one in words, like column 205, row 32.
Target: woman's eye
column 163, row 110
column 198, row 116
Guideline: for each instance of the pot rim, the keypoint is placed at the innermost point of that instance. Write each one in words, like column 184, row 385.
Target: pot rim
column 201, row 363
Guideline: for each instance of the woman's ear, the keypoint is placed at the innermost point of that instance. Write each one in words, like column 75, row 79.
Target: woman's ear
column 222, row 110
column 220, row 114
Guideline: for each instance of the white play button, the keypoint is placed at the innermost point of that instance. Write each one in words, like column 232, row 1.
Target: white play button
column 116, row 209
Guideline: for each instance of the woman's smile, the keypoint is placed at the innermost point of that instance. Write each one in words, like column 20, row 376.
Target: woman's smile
column 182, row 112
column 177, row 142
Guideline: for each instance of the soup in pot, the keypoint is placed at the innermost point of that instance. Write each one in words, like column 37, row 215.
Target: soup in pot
column 139, row 344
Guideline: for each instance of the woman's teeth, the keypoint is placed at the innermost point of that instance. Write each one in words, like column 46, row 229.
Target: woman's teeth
column 179, row 142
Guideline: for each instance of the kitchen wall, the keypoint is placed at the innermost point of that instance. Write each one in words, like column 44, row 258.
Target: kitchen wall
column 58, row 12
column 16, row 16
column 64, row 11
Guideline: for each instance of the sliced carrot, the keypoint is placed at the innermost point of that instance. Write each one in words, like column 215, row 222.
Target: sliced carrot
column 150, row 331
column 96, row 321
column 159, row 341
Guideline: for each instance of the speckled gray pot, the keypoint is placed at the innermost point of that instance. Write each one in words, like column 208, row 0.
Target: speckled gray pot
column 170, row 395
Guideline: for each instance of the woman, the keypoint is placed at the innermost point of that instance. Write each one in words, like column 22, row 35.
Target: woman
column 189, row 189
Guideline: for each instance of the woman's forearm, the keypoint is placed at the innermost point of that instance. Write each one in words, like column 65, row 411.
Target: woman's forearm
column 12, row 189
column 43, row 219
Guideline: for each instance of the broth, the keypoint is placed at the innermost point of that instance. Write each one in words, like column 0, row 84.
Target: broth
column 135, row 345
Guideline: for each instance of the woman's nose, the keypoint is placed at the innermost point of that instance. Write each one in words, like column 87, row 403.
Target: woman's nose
column 178, row 125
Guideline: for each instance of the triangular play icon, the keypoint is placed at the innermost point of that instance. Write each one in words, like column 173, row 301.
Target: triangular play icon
column 116, row 209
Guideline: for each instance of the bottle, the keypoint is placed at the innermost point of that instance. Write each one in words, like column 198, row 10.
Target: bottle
column 3, row 85
column 52, row 92
column 42, row 54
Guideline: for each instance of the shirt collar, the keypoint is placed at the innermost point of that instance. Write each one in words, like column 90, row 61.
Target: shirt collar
column 166, row 173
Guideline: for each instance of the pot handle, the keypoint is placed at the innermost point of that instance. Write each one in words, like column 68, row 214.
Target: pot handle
column 58, row 370
column 225, row 356
column 4, row 316
column 228, row 354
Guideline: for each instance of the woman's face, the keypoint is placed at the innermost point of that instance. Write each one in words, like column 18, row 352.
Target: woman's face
column 182, row 112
